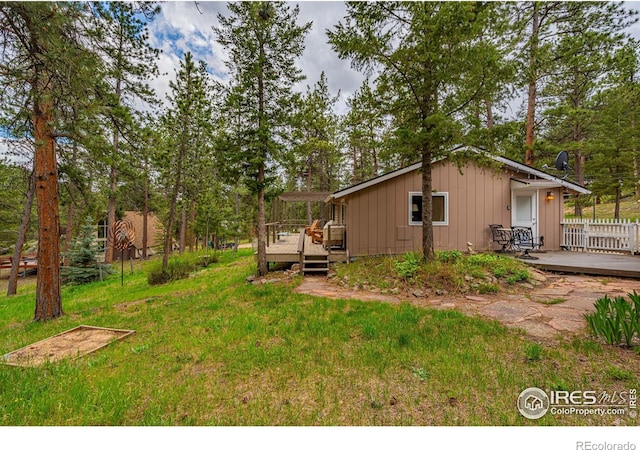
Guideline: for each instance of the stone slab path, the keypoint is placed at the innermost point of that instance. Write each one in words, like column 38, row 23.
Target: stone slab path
column 543, row 312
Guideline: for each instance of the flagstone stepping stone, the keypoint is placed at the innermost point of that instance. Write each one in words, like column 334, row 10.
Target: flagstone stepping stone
column 562, row 324
column 510, row 312
column 535, row 328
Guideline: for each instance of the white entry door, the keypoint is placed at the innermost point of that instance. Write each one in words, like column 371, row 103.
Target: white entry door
column 524, row 210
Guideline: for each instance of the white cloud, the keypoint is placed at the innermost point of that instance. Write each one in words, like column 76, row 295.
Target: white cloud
column 187, row 26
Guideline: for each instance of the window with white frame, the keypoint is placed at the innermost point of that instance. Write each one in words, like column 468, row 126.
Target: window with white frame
column 440, row 215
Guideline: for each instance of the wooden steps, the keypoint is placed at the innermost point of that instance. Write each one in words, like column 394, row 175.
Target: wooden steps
column 315, row 264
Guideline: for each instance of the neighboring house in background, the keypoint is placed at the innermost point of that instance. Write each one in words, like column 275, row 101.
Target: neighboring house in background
column 383, row 215
column 155, row 231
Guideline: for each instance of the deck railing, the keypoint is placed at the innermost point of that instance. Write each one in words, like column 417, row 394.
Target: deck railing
column 601, row 235
column 276, row 229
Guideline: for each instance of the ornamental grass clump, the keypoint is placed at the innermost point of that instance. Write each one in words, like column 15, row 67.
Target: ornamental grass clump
column 616, row 320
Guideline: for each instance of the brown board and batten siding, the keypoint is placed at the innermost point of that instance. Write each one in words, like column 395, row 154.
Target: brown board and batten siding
column 551, row 214
column 377, row 217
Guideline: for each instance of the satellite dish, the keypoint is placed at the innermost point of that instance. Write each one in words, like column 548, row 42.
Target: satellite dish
column 562, row 160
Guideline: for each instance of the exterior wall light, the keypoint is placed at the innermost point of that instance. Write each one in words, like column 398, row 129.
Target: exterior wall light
column 550, row 196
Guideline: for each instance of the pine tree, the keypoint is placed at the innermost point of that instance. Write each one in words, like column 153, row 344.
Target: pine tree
column 188, row 132
column 264, row 41
column 83, row 265
column 433, row 61
column 46, row 66
column 130, row 62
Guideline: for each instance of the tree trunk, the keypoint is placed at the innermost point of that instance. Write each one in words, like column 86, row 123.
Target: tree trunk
column 236, row 239
column 145, row 212
column 111, row 213
column 183, row 229
column 191, row 227
column 616, row 212
column 355, row 164
column 579, row 172
column 309, row 212
column 48, row 295
column 12, row 288
column 489, row 106
column 579, row 163
column 263, row 268
column 263, row 145
column 168, row 235
column 636, row 174
column 427, row 207
column 531, row 96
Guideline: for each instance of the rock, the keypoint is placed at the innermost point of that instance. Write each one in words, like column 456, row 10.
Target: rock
column 440, row 292
column 468, row 278
column 537, row 275
column 395, row 291
column 250, row 279
column 418, row 293
column 295, row 267
column 527, row 285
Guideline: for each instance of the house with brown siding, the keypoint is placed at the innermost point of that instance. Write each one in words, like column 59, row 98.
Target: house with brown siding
column 155, row 231
column 383, row 215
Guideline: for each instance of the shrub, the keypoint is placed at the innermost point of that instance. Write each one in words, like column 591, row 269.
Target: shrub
column 449, row 256
column 408, row 267
column 178, row 267
column 83, row 265
column 615, row 320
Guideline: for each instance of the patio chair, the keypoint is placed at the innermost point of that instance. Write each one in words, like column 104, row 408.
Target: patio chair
column 316, row 236
column 311, row 228
column 502, row 236
column 524, row 240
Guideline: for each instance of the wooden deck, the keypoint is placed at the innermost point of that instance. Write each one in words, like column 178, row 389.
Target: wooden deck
column 285, row 250
column 605, row 264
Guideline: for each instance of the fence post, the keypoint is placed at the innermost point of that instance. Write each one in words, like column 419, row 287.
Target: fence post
column 585, row 235
column 632, row 241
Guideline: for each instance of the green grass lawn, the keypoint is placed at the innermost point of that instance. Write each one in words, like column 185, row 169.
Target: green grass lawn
column 629, row 209
column 215, row 350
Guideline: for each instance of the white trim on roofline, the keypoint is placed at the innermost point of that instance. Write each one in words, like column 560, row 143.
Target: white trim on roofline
column 507, row 162
column 541, row 174
column 374, row 181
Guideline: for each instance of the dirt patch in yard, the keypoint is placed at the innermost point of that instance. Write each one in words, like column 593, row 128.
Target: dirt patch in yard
column 70, row 344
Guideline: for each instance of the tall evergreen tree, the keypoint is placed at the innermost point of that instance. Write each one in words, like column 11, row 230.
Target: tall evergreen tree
column 587, row 40
column 315, row 134
column 187, row 125
column 46, row 65
column 434, row 64
column 130, row 62
column 264, row 41
column 364, row 126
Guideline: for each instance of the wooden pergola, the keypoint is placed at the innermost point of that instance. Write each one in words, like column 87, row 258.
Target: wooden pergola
column 279, row 206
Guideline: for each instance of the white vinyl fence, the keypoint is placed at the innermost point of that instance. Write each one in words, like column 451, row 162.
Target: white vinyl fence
column 601, row 235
